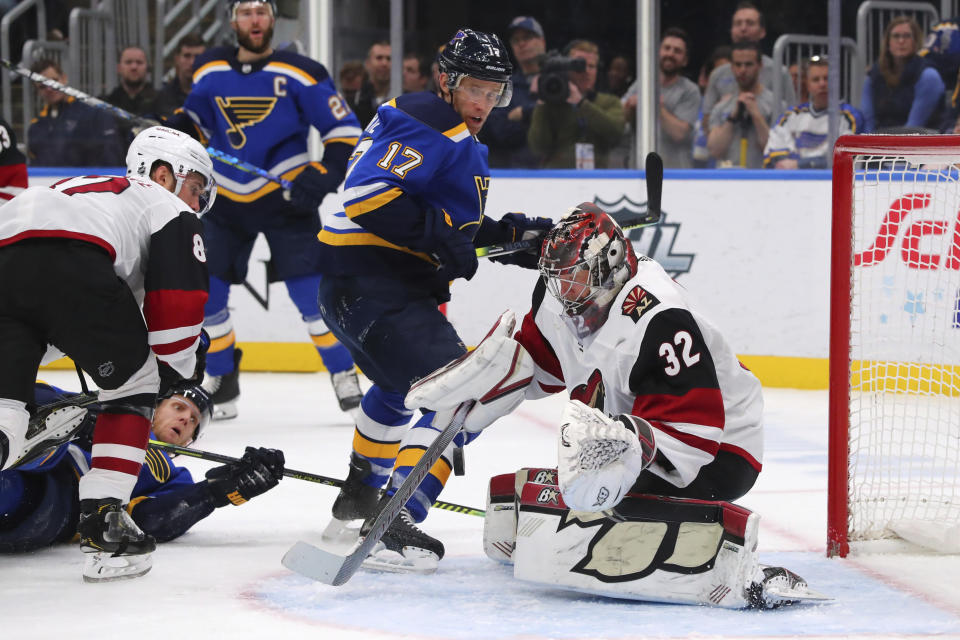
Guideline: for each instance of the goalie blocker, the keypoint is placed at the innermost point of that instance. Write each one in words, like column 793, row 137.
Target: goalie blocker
column 650, row 548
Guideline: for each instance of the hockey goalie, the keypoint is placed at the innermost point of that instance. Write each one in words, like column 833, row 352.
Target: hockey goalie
column 662, row 431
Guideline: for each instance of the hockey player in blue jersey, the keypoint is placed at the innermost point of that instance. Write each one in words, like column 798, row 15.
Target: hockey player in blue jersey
column 413, row 216
column 38, row 499
column 258, row 104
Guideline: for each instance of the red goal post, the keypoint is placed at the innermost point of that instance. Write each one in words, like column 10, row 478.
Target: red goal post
column 894, row 400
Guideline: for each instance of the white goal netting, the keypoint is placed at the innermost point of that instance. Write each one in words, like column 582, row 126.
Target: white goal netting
column 904, row 431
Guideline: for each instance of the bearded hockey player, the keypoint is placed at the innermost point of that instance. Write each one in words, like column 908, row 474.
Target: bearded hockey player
column 110, row 270
column 663, row 429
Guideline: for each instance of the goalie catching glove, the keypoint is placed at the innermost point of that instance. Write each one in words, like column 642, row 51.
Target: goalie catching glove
column 495, row 375
column 258, row 471
column 599, row 458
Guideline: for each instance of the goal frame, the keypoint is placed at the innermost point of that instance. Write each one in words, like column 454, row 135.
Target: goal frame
column 841, row 273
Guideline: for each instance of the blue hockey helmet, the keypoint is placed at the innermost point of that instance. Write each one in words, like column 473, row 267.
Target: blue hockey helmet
column 478, row 55
column 233, row 4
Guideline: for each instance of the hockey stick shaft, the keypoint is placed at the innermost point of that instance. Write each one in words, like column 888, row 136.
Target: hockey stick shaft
column 89, row 100
column 654, row 179
column 334, row 569
column 293, row 473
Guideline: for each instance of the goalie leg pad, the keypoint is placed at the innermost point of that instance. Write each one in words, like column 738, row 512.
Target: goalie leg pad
column 678, row 551
column 500, row 518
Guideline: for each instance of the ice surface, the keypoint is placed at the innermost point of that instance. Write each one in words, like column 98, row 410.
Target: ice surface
column 224, row 578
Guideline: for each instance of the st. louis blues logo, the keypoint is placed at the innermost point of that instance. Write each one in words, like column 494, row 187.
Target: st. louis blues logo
column 240, row 112
column 654, row 241
column 637, row 303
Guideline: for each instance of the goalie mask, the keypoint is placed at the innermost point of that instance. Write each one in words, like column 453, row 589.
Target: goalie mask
column 181, row 152
column 478, row 55
column 585, row 261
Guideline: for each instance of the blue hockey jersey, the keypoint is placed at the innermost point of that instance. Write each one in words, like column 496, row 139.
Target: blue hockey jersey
column 415, row 154
column 261, row 112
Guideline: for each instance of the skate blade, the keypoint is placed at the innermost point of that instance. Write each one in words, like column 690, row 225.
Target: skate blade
column 411, row 561
column 340, row 533
column 104, row 567
column 801, row 594
column 225, row 411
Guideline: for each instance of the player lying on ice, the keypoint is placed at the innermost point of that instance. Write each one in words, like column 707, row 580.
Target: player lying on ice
column 38, row 496
column 659, row 406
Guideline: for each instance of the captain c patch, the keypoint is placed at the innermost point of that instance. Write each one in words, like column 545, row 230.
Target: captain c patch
column 638, row 302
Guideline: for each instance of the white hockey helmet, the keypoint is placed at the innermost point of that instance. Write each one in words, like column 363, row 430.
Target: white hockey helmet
column 180, row 151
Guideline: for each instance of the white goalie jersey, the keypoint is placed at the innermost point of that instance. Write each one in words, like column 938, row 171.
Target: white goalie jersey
column 657, row 358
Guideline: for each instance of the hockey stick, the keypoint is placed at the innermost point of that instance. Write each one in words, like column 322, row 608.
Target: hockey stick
column 331, row 568
column 89, row 100
column 654, row 180
column 298, row 475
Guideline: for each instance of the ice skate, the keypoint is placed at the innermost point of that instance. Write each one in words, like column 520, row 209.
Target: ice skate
column 225, row 390
column 356, row 501
column 404, row 548
column 43, row 436
column 347, row 388
column 116, row 548
column 776, row 587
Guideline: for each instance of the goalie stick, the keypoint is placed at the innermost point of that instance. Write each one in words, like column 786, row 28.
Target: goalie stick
column 334, row 569
column 654, row 180
column 298, row 475
column 97, row 103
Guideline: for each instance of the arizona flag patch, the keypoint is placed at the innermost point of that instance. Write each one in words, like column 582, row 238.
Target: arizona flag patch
column 638, row 302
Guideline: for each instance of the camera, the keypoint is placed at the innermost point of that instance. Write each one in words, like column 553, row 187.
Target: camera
column 553, row 87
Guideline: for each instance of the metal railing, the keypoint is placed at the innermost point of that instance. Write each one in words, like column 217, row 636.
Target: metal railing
column 93, row 46
column 793, row 48
column 9, row 18
column 199, row 12
column 872, row 19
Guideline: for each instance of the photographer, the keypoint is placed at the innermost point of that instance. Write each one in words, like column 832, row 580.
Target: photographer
column 505, row 132
column 574, row 126
column 740, row 122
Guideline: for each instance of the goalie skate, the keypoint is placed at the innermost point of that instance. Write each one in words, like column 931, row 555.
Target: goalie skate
column 777, row 587
column 404, row 548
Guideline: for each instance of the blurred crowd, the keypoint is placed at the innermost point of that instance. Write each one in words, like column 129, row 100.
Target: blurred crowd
column 576, row 106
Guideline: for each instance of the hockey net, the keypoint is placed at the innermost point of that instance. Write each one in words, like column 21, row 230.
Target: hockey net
column 894, row 468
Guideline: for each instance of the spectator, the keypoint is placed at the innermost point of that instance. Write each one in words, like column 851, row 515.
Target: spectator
column 619, row 78
column 701, row 157
column 352, row 76
column 376, row 87
column 577, row 132
column 134, row 93
column 744, row 115
column 174, row 93
column 505, row 133
column 901, row 89
column 13, row 167
column 416, row 73
column 747, row 25
column 68, row 133
column 798, row 76
column 801, row 138
column 679, row 102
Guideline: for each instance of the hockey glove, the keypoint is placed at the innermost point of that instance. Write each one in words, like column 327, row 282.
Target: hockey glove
column 516, row 227
column 169, row 378
column 202, row 347
column 453, row 248
column 309, row 189
column 258, row 471
column 599, row 458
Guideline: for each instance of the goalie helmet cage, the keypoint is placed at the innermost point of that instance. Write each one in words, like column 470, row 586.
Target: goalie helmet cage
column 894, row 401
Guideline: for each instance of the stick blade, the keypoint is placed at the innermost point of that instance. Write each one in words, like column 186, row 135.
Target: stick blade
column 315, row 563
